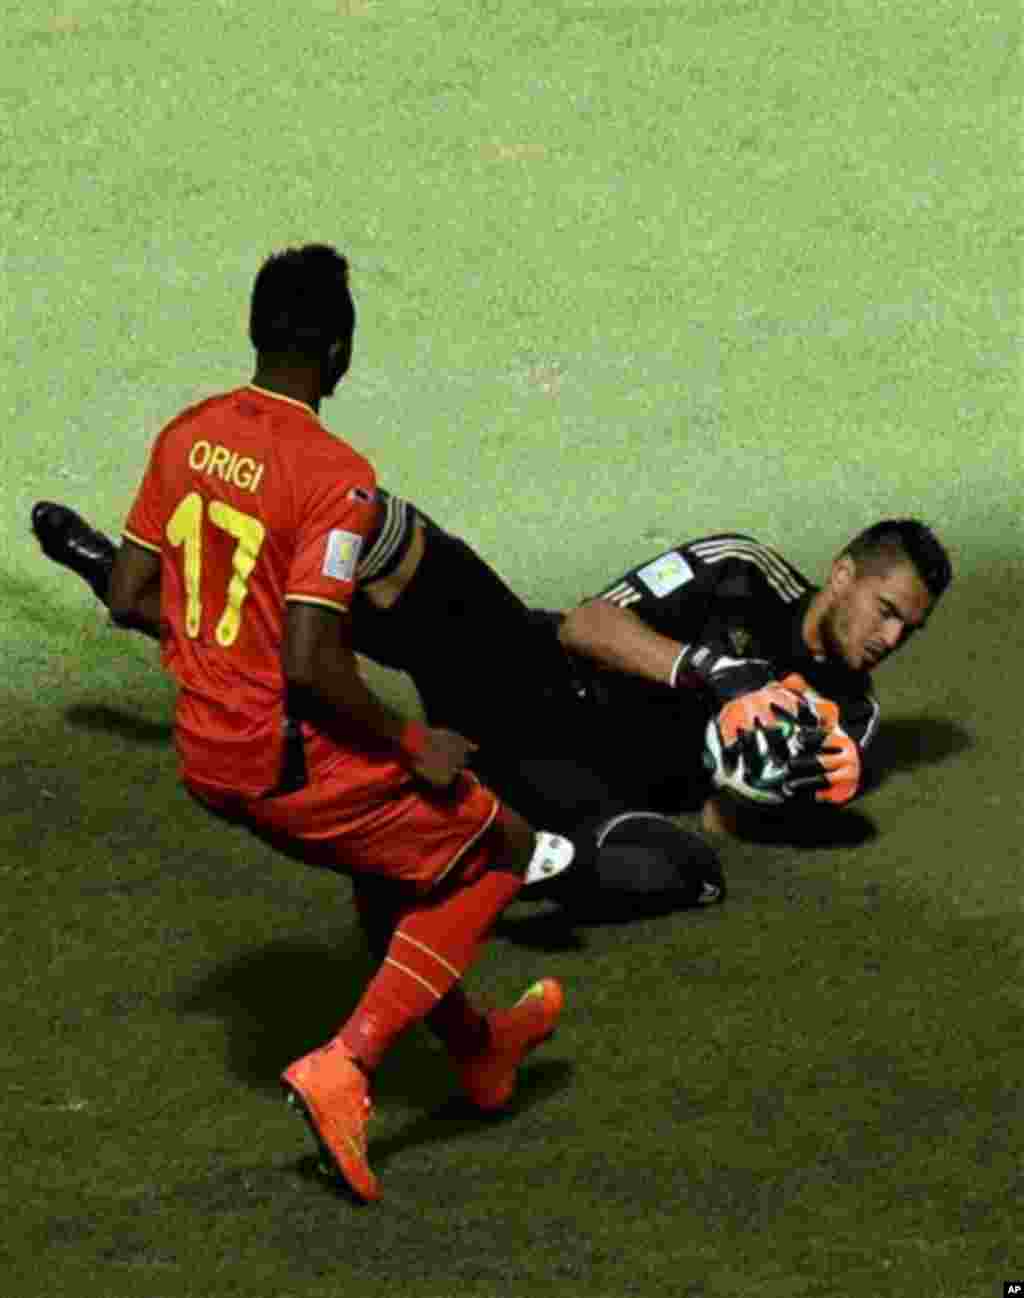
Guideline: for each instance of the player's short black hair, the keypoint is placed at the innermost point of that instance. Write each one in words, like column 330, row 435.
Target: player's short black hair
column 301, row 301
column 898, row 540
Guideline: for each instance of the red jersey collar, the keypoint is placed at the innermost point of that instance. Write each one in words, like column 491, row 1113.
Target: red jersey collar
column 279, row 396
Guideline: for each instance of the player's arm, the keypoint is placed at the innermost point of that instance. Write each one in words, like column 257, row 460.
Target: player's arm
column 617, row 638
column 635, row 627
column 134, row 595
column 325, row 686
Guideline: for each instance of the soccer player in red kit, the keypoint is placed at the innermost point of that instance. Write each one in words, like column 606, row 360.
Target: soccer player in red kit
column 242, row 552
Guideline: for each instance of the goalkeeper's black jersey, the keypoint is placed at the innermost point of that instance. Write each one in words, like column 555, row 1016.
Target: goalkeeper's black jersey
column 742, row 599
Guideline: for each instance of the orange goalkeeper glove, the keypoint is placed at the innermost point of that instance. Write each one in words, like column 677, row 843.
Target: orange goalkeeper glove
column 767, row 707
column 830, row 767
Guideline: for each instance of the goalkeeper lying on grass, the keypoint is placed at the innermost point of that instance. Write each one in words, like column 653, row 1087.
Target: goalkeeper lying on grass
column 714, row 675
column 780, row 667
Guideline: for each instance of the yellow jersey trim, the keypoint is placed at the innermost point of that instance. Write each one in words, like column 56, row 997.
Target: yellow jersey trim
column 279, row 396
column 312, row 599
column 137, row 540
column 471, row 841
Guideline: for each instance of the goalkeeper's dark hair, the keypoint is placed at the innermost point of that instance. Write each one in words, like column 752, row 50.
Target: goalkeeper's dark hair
column 301, row 301
column 899, row 540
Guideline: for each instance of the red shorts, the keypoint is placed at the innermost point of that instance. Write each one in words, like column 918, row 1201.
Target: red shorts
column 368, row 817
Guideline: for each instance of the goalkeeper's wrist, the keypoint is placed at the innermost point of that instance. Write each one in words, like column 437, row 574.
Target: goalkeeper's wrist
column 694, row 660
column 726, row 677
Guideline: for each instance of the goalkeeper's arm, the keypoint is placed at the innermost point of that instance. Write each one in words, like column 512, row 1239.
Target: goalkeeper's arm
column 745, row 691
column 615, row 637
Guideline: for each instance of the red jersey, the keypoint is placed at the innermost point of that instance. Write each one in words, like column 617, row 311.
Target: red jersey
column 250, row 503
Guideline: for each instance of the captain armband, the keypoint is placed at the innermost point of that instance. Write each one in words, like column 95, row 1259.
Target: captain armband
column 389, row 544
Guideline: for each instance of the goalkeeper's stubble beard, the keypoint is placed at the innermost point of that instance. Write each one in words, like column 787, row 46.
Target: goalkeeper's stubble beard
column 834, row 630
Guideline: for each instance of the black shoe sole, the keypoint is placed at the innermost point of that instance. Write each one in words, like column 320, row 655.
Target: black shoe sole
column 66, row 538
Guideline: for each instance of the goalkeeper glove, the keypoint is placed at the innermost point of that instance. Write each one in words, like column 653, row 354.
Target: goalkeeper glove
column 770, row 707
column 754, row 767
column 745, row 689
column 725, row 677
column 831, row 766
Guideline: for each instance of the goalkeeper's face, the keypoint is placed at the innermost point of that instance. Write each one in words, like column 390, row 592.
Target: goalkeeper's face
column 872, row 614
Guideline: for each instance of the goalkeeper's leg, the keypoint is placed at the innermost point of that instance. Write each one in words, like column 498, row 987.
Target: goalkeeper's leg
column 631, row 864
column 67, row 539
column 630, row 860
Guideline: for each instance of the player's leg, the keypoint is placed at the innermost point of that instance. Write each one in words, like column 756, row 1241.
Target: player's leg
column 436, row 930
column 434, row 942
column 486, row 1046
column 483, row 663
column 67, row 539
column 496, row 672
column 640, row 863
column 547, row 788
column 455, row 1020
column 630, row 861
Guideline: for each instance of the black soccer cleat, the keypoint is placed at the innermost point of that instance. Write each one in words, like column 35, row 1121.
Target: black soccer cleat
column 66, row 538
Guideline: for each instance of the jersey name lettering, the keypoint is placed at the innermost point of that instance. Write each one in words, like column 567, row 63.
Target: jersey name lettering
column 217, row 461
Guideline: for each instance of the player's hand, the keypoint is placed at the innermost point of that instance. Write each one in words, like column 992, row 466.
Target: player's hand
column 833, row 773
column 831, row 766
column 764, row 707
column 728, row 678
column 444, row 755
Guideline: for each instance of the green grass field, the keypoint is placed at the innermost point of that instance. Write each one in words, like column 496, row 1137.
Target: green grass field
column 626, row 273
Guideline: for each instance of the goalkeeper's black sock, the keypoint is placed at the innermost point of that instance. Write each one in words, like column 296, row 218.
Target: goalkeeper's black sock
column 67, row 539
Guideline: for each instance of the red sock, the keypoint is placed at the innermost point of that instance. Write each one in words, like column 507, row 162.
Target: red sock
column 433, row 945
column 458, row 1024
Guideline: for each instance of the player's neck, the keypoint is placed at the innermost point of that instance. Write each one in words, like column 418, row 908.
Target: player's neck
column 811, row 628
column 300, row 385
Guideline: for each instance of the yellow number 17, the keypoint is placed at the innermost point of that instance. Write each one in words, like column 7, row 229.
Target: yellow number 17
column 185, row 528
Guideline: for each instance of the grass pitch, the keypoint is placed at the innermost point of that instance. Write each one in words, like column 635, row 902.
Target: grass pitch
column 625, row 274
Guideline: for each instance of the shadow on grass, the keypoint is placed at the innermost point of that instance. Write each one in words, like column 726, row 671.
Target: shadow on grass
column 563, row 929
column 98, row 717
column 446, row 1123
column 283, row 1000
column 279, row 1002
column 538, row 1080
column 903, row 744
column 906, row 743
column 810, row 826
column 545, row 930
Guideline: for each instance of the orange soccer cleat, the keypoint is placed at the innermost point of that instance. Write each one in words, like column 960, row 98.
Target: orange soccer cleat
column 489, row 1076
column 332, row 1093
